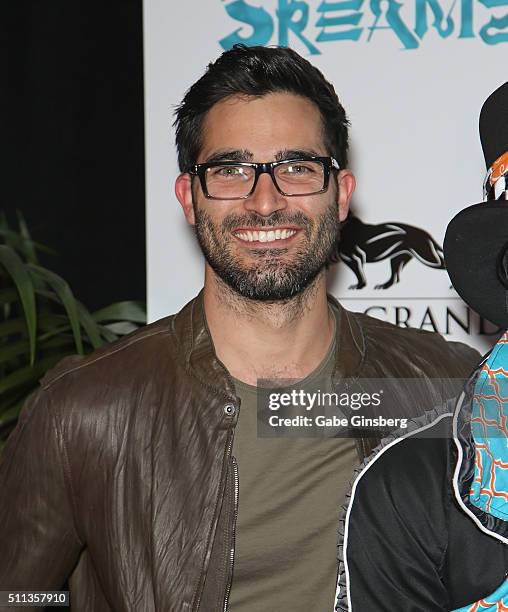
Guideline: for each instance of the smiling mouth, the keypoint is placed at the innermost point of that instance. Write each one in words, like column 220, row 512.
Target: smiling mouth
column 270, row 235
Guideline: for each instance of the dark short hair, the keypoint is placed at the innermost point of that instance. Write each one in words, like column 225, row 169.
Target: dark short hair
column 257, row 71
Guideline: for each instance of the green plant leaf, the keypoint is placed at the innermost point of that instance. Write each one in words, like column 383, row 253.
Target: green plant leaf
column 12, row 326
column 91, row 327
column 50, row 321
column 14, row 240
column 122, row 311
column 28, row 246
column 28, row 374
column 64, row 293
column 22, row 347
column 121, row 328
column 7, row 298
column 107, row 334
column 9, row 295
column 18, row 325
column 47, row 322
column 14, row 349
column 55, row 330
column 17, row 271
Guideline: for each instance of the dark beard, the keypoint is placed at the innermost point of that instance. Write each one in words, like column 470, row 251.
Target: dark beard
column 271, row 278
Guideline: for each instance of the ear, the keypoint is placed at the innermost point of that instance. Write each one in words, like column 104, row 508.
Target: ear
column 347, row 183
column 183, row 191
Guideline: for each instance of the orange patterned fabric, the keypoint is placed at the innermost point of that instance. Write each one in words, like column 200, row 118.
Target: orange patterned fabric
column 498, row 168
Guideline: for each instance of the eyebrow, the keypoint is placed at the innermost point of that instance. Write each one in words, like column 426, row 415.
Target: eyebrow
column 296, row 154
column 244, row 155
column 231, row 155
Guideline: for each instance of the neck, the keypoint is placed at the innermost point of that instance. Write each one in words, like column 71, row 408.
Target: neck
column 280, row 339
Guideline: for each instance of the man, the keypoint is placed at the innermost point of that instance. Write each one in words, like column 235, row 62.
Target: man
column 136, row 472
column 426, row 526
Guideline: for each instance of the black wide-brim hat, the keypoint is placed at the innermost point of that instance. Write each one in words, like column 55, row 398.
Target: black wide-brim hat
column 476, row 240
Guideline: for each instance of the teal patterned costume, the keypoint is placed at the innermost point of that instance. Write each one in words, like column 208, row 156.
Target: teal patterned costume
column 489, row 432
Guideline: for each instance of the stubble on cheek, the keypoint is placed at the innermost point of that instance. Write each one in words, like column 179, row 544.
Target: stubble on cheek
column 267, row 273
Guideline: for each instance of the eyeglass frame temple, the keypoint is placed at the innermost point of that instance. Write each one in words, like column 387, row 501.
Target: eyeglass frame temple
column 199, row 170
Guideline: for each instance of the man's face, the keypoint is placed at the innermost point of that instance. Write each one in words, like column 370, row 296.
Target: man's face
column 269, row 246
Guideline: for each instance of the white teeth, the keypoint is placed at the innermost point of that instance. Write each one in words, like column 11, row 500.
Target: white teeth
column 265, row 236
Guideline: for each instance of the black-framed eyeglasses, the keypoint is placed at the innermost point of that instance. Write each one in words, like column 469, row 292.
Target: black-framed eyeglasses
column 232, row 180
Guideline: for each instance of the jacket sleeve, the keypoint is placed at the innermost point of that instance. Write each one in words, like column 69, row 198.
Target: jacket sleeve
column 39, row 545
column 465, row 354
column 395, row 532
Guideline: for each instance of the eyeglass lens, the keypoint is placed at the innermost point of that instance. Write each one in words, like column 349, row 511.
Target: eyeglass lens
column 292, row 177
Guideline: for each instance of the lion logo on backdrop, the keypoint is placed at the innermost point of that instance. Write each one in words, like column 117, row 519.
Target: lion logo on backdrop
column 363, row 243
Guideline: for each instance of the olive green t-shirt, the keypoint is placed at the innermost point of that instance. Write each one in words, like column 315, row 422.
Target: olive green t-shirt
column 290, row 494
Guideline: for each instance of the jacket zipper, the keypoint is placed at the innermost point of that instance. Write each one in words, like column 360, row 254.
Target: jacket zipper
column 232, row 551
column 229, row 448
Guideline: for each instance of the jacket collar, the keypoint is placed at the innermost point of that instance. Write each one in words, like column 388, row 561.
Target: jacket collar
column 195, row 340
column 350, row 345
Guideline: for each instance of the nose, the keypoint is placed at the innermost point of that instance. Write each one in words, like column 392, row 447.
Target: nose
column 266, row 199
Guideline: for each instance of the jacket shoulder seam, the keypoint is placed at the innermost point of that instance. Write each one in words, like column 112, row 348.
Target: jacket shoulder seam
column 79, row 366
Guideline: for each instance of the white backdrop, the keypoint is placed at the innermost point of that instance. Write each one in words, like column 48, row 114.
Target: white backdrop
column 412, row 77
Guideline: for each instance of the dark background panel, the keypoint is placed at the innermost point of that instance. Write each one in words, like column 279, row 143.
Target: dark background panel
column 72, row 139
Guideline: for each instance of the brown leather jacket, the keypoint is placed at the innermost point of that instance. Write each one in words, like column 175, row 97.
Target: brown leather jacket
column 119, row 476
